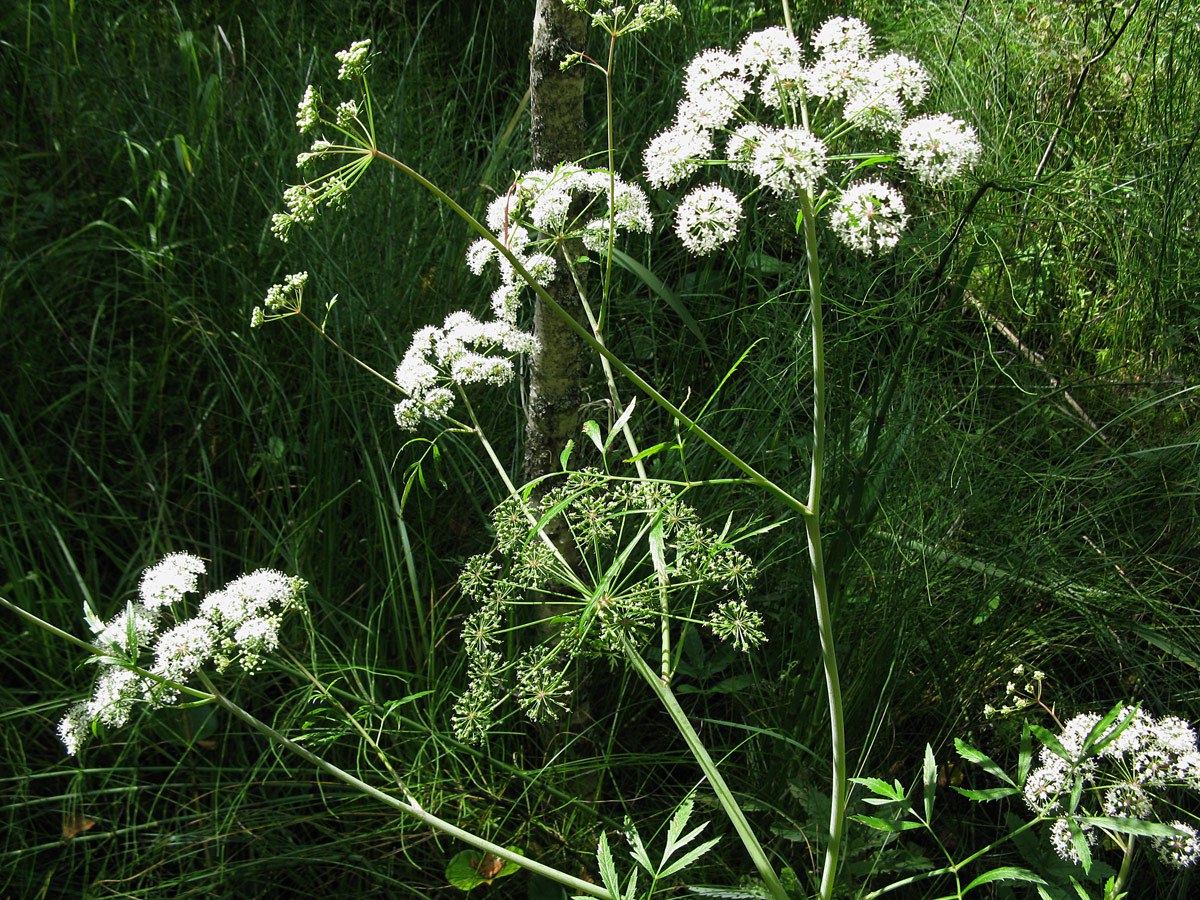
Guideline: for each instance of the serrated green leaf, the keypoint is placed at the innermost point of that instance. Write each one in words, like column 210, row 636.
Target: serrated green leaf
column 1025, row 755
column 985, row 762
column 1050, row 739
column 987, row 794
column 688, row 858
column 608, row 868
column 650, row 451
column 889, row 825
column 564, row 458
column 880, row 787
column 683, row 812
column 1005, row 873
column 637, row 848
column 1131, row 826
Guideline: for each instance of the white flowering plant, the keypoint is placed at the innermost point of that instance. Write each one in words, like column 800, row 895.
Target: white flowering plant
column 596, row 550
column 1116, row 781
column 150, row 652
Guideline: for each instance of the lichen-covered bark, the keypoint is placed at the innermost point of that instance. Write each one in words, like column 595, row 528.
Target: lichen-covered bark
column 556, row 136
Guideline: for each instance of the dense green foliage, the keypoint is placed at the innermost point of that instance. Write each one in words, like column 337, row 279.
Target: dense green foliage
column 1012, row 478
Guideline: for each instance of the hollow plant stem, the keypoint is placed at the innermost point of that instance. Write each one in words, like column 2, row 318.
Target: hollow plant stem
column 410, row 806
column 812, row 527
column 724, row 795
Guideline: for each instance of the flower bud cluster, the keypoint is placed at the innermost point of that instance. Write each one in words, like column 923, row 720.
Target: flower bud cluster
column 1121, row 767
column 355, row 143
column 235, row 627
column 599, row 605
column 767, row 103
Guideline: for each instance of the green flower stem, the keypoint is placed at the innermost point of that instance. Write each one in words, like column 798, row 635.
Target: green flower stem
column 753, row 475
column 728, row 802
column 812, row 525
column 411, row 807
column 1126, row 868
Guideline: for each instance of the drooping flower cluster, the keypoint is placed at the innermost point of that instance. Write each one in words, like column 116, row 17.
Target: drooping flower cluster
column 234, row 628
column 352, row 128
column 769, row 107
column 1121, row 767
column 539, row 209
column 634, row 546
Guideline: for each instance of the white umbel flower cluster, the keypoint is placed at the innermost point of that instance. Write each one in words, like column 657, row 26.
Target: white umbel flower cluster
column 1122, row 767
column 235, row 626
column 568, row 202
column 795, row 126
column 869, row 216
column 707, row 218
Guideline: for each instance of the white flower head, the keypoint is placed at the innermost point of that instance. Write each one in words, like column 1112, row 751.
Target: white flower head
column 741, row 146
column 783, row 83
column 308, row 114
column 674, row 155
column 354, row 60
column 1179, row 851
column 183, row 650
column 1062, row 841
column 869, row 216
column 938, row 148
column 347, row 112
column 737, row 623
column 707, row 219
column 844, row 37
column 767, row 49
column 1044, row 785
column 169, row 579
column 711, row 68
column 788, row 161
column 114, row 694
column 136, row 620
column 75, row 728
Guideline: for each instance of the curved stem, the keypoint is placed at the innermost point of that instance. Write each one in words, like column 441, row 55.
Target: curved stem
column 410, row 806
column 812, row 525
column 728, row 802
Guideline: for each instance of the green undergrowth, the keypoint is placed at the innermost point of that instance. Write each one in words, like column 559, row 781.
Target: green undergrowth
column 1011, row 476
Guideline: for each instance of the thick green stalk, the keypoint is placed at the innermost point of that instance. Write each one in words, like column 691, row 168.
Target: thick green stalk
column 728, row 802
column 411, row 807
column 812, row 526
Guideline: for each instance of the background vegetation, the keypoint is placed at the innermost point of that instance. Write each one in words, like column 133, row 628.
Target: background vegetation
column 1015, row 448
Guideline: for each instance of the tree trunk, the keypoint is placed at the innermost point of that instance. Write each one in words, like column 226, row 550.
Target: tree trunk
column 556, row 136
